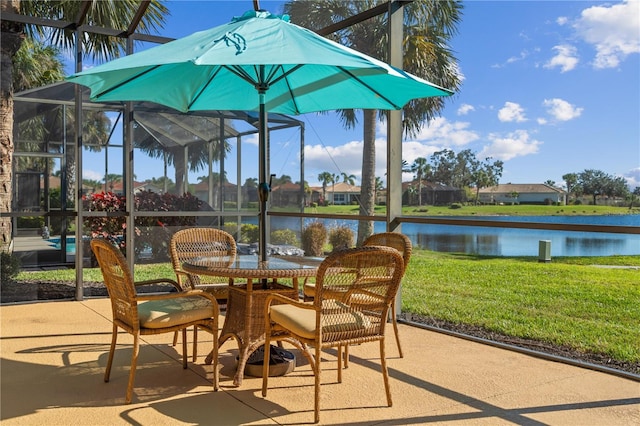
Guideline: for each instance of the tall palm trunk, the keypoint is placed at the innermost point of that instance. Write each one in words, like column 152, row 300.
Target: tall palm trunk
column 368, row 187
column 11, row 38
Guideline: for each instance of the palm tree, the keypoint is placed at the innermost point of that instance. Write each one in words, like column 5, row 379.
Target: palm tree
column 325, row 178
column 110, row 180
column 379, row 186
column 101, row 13
column 429, row 26
column 422, row 169
column 196, row 153
column 348, row 179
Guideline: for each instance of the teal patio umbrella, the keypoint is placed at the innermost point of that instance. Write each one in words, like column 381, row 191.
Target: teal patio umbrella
column 257, row 62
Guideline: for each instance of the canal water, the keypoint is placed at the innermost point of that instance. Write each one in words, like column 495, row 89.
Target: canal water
column 510, row 241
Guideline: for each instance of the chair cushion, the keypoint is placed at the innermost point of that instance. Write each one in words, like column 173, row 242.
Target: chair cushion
column 309, row 290
column 303, row 321
column 172, row 312
column 300, row 321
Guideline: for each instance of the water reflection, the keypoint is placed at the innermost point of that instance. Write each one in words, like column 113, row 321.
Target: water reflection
column 506, row 241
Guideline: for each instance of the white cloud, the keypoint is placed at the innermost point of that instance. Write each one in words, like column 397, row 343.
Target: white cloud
column 566, row 58
column 252, row 139
column 633, row 178
column 542, row 121
column 562, row 110
column 441, row 132
column 92, row 175
column 612, row 30
column 515, row 144
column 562, row 20
column 511, row 112
column 465, row 109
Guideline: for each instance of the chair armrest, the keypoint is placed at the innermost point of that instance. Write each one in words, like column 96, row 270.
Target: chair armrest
column 365, row 292
column 289, row 301
column 158, row 281
column 189, row 278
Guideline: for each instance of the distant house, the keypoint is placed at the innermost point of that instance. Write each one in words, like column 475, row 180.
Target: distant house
column 522, row 193
column 339, row 194
column 433, row 193
column 229, row 193
column 343, row 194
column 286, row 195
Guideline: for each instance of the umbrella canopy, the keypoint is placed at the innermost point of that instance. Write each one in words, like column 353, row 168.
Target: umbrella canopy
column 257, row 62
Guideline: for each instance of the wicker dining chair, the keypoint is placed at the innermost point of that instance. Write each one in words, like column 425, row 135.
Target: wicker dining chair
column 398, row 241
column 192, row 243
column 151, row 314
column 402, row 243
column 370, row 274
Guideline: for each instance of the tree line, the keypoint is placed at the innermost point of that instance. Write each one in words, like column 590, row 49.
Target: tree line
column 598, row 183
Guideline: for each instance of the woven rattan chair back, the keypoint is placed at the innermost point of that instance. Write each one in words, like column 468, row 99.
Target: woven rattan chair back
column 193, row 243
column 357, row 283
column 398, row 241
column 402, row 243
column 119, row 282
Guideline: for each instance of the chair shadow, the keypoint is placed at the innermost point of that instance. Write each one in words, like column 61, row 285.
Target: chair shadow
column 158, row 376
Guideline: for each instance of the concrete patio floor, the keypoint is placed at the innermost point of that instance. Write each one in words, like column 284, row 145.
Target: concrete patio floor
column 53, row 357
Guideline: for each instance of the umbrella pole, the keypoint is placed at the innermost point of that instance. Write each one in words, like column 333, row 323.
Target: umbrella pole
column 263, row 187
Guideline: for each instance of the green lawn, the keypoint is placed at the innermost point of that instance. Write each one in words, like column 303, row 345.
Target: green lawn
column 567, row 302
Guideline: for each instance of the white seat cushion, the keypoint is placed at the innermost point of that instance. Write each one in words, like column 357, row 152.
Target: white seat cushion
column 171, row 312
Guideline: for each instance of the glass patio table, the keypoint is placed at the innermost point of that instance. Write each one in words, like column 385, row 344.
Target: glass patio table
column 244, row 318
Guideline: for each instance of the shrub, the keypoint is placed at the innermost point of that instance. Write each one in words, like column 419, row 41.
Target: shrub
column 313, row 239
column 36, row 222
column 249, row 233
column 284, row 237
column 231, row 228
column 9, row 266
column 454, row 206
column 341, row 238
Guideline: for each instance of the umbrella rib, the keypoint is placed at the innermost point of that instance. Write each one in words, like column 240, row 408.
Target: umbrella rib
column 110, row 89
column 350, row 74
column 240, row 72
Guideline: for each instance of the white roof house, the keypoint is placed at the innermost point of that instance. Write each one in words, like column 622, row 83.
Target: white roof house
column 522, row 193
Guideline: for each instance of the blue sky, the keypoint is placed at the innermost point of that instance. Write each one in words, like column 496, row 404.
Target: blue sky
column 549, row 87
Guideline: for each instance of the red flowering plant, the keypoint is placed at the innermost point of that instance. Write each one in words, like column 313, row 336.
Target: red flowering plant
column 112, row 226
column 152, row 233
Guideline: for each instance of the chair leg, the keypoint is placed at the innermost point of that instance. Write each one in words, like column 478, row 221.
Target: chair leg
column 316, row 402
column 134, row 363
column 395, row 329
column 267, row 355
column 340, row 357
column 114, row 338
column 214, row 352
column 385, row 372
column 195, row 343
column 184, row 348
column 346, row 356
